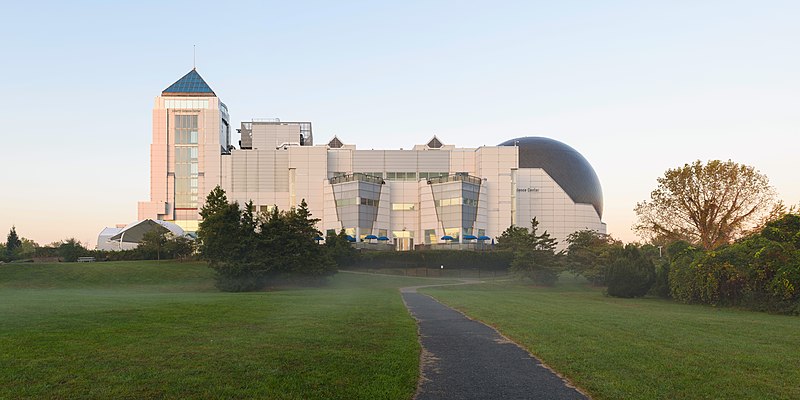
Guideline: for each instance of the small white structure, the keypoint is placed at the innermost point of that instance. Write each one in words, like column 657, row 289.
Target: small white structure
column 131, row 235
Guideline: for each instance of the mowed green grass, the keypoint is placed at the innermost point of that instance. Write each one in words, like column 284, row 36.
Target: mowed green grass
column 135, row 330
column 641, row 348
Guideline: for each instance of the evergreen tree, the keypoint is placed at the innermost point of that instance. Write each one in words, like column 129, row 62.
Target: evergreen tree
column 13, row 243
column 340, row 249
column 307, row 257
column 535, row 256
column 590, row 253
column 219, row 231
column 248, row 249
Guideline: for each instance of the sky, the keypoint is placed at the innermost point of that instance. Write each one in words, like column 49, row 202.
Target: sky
column 637, row 87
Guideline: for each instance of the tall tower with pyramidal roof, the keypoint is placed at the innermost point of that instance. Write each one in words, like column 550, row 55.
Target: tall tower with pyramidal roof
column 191, row 133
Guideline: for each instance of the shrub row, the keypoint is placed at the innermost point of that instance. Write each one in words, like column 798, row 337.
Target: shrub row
column 761, row 271
column 462, row 259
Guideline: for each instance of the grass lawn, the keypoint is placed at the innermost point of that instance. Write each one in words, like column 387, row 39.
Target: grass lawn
column 160, row 330
column 641, row 348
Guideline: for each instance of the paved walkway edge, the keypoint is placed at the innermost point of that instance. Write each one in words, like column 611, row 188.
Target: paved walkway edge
column 428, row 359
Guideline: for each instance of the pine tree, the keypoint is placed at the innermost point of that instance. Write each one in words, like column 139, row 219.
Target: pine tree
column 12, row 243
column 219, row 231
column 535, row 256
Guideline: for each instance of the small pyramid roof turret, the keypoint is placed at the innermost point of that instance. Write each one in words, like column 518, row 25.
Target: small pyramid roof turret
column 192, row 84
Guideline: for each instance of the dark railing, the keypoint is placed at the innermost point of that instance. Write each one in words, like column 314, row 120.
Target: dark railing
column 358, row 176
column 456, row 178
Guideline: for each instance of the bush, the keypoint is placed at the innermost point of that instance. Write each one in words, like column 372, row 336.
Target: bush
column 630, row 275
column 660, row 286
column 761, row 271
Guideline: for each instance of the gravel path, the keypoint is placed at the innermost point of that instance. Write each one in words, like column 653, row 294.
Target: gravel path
column 465, row 359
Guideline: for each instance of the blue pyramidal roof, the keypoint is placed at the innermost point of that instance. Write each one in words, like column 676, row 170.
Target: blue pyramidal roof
column 191, row 84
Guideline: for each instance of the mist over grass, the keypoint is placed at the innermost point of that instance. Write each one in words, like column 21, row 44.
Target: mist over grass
column 160, row 329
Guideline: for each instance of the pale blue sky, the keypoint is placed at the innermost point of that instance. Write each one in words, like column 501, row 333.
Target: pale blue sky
column 637, row 87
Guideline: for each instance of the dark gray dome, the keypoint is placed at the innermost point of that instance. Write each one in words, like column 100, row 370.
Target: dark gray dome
column 564, row 164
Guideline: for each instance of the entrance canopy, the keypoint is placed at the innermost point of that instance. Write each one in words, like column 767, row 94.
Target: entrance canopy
column 134, row 232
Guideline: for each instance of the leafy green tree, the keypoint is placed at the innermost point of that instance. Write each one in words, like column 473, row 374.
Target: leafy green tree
column 535, row 257
column 179, row 247
column 71, row 249
column 153, row 243
column 708, row 205
column 590, row 253
column 26, row 249
column 631, row 274
column 12, row 243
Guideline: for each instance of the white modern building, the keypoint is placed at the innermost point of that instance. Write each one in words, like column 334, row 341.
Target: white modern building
column 411, row 197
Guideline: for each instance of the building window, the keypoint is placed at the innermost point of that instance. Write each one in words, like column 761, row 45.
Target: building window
column 453, row 232
column 186, row 104
column 401, row 176
column 186, row 129
column 266, row 209
column 369, row 202
column 403, row 206
column 430, row 236
column 186, row 176
column 346, row 202
column 431, row 175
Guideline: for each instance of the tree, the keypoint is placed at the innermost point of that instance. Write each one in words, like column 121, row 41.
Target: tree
column 153, row 242
column 707, row 205
column 179, row 247
column 306, row 256
column 590, row 253
column 27, row 248
column 70, row 249
column 248, row 249
column 219, row 232
column 340, row 249
column 535, row 257
column 12, row 244
column 631, row 274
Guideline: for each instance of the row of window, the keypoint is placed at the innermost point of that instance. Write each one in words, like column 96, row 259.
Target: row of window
column 403, row 206
column 429, row 236
column 354, row 201
column 407, row 206
column 397, row 176
column 346, row 202
column 401, row 176
column 186, row 176
column 186, row 129
column 186, row 104
column 456, row 201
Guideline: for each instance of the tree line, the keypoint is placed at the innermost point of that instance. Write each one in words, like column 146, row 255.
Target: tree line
column 154, row 246
column 717, row 235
